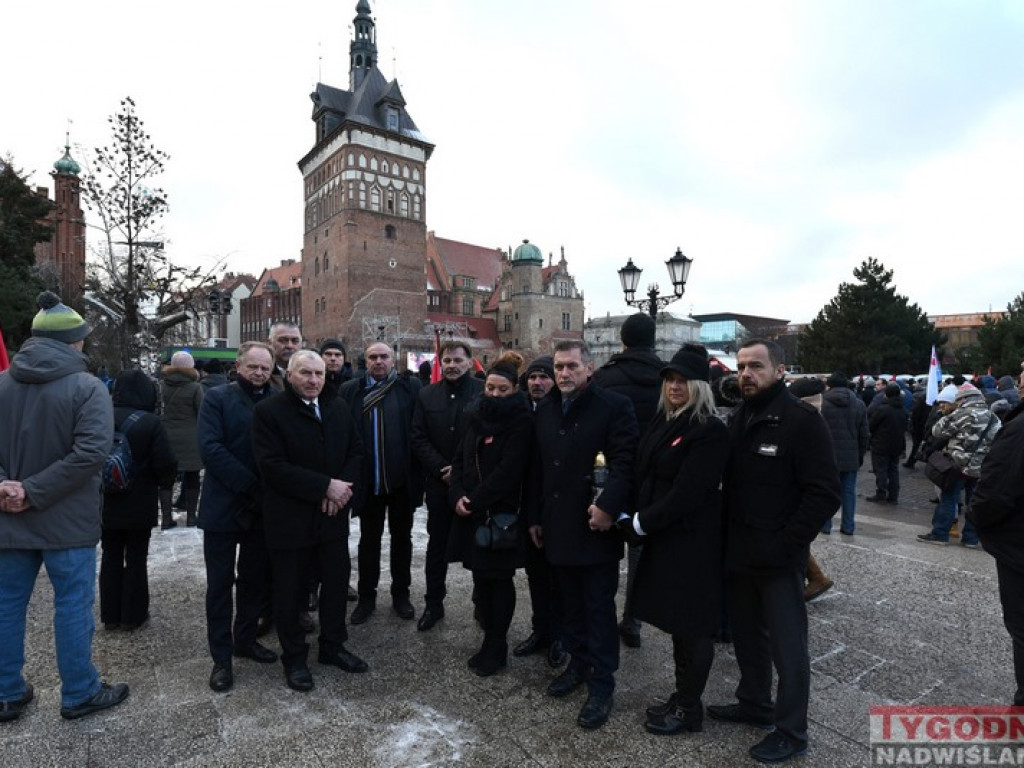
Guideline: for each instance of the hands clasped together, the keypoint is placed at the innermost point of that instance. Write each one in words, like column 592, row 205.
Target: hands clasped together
column 12, row 497
column 339, row 493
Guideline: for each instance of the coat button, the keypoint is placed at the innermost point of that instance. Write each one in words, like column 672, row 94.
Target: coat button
column 557, row 463
column 561, row 431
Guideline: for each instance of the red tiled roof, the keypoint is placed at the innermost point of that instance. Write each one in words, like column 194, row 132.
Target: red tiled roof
column 456, row 258
column 286, row 275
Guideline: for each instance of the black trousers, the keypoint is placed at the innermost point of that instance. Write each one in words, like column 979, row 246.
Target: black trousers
column 439, row 525
column 237, row 564
column 693, row 657
column 397, row 508
column 124, row 578
column 769, row 626
column 292, row 568
column 589, row 625
column 543, row 594
column 1011, row 594
column 495, row 593
column 887, row 475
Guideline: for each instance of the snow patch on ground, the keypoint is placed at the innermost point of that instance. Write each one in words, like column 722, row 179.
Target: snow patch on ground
column 425, row 738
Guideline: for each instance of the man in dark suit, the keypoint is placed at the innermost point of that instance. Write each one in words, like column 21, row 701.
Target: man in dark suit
column 575, row 528
column 781, row 485
column 310, row 460
column 381, row 405
column 229, row 515
column 438, row 422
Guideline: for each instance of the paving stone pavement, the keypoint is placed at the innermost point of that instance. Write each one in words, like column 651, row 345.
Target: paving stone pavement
column 906, row 623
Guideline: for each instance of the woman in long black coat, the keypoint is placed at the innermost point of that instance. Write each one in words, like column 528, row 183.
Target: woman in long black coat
column 487, row 476
column 129, row 517
column 678, row 583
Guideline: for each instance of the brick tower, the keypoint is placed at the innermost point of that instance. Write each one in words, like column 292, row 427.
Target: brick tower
column 364, row 247
column 64, row 254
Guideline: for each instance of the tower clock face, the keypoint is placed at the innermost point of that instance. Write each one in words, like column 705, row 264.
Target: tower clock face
column 392, row 262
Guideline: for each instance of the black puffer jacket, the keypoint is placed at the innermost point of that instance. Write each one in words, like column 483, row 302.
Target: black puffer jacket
column 847, row 421
column 997, row 508
column 635, row 373
column 888, row 424
column 152, row 457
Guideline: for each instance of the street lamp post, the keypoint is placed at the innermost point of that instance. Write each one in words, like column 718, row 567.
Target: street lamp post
column 679, row 272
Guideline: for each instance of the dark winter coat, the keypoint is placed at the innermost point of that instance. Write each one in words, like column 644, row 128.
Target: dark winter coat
column 439, row 422
column 781, row 482
column 635, row 373
column 232, row 496
column 489, row 468
column 561, row 482
column 997, row 508
column 405, row 391
column 297, row 457
column 847, row 421
column 888, row 425
column 153, row 461
column 333, row 382
column 679, row 505
column 182, row 395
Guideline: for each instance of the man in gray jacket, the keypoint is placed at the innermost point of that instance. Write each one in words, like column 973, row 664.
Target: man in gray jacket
column 58, row 425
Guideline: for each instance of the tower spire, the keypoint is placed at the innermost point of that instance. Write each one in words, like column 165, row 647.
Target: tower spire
column 363, row 48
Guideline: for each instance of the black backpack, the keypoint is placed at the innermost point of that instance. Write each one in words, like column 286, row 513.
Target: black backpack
column 120, row 469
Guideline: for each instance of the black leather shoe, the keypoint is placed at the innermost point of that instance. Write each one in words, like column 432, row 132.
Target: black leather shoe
column 663, row 708
column 221, row 679
column 343, row 659
column 557, row 655
column 677, row 720
column 775, row 748
column 264, row 625
column 429, row 618
column 535, row 643
column 629, row 631
column 257, row 652
column 11, row 710
column 595, row 712
column 364, row 610
column 299, row 679
column 566, row 683
column 106, row 697
column 735, row 713
column 404, row 608
column 306, row 622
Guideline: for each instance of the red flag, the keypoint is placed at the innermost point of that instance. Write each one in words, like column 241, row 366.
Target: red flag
column 435, row 366
column 5, row 362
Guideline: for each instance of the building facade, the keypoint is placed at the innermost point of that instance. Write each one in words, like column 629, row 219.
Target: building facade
column 62, row 258
column 671, row 332
column 276, row 297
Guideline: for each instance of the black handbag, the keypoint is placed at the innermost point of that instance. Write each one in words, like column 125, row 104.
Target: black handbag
column 500, row 532
column 941, row 470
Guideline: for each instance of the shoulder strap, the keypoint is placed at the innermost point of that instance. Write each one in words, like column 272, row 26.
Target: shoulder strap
column 130, row 421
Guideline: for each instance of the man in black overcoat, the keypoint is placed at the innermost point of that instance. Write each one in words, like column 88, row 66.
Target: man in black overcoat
column 438, row 423
column 781, row 484
column 310, row 461
column 575, row 528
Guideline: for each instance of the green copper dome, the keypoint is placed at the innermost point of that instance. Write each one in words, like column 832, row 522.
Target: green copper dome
column 528, row 252
column 66, row 166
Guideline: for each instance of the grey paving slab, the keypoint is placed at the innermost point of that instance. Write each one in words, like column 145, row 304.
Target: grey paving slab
column 905, row 623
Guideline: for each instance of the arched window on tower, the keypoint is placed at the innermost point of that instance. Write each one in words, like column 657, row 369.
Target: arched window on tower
column 362, row 195
column 391, row 200
column 373, row 163
column 316, row 266
column 375, row 198
column 325, row 262
column 404, row 205
column 389, row 232
column 416, row 211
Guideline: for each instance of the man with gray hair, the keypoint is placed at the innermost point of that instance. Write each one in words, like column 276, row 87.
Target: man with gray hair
column 58, row 425
column 310, row 462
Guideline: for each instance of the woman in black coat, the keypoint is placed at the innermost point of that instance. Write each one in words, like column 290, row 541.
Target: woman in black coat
column 129, row 517
column 679, row 518
column 487, row 476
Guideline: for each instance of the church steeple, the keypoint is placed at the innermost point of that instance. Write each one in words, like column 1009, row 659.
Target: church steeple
column 362, row 49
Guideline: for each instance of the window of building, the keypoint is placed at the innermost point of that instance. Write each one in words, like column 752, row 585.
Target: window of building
column 325, row 262
column 540, row 323
column 515, row 343
column 375, row 199
column 566, row 322
column 384, row 167
column 435, row 300
column 508, row 322
column 316, row 265
column 405, row 171
column 415, row 174
column 391, row 200
column 404, row 206
column 373, row 163
column 389, row 232
column 467, row 305
column 323, row 303
column 563, row 288
column 362, row 161
column 362, row 195
column 467, row 282
column 392, row 119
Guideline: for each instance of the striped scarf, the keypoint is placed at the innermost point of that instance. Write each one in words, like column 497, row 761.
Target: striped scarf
column 373, row 412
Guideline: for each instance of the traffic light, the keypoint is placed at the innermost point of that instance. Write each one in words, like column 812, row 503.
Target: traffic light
column 214, row 301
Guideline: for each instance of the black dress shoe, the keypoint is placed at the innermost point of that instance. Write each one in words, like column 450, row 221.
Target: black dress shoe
column 404, row 608
column 106, row 697
column 557, row 655
column 663, row 708
column 264, row 625
column 629, row 631
column 364, row 610
column 677, row 720
column 735, row 713
column 221, row 679
column 535, row 643
column 11, row 710
column 776, row 747
column 595, row 712
column 257, row 652
column 299, row 679
column 306, row 622
column 343, row 659
column 429, row 618
column 566, row 683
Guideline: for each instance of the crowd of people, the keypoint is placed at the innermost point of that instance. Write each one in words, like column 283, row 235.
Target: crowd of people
column 714, row 485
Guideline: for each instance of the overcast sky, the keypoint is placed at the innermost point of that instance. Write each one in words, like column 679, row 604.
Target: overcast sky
column 778, row 143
